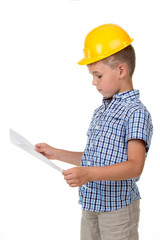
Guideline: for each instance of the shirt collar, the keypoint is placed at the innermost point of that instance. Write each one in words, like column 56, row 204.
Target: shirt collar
column 128, row 95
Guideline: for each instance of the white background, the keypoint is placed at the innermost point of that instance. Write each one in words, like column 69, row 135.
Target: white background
column 47, row 97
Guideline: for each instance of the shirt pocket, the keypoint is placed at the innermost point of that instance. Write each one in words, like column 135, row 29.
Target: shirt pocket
column 110, row 128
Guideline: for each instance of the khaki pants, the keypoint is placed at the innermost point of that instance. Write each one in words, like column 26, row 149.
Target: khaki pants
column 121, row 224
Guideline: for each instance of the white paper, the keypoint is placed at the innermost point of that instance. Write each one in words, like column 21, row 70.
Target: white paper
column 24, row 144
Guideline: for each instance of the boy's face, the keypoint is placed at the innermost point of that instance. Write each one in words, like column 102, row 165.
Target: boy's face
column 105, row 78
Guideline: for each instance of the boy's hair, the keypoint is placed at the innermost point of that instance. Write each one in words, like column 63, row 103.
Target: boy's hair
column 126, row 55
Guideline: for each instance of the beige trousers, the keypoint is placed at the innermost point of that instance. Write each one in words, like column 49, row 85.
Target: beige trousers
column 121, row 224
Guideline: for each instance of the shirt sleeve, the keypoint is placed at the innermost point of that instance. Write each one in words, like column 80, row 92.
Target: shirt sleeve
column 139, row 126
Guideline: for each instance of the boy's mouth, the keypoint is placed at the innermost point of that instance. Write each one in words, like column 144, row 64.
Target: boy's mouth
column 99, row 90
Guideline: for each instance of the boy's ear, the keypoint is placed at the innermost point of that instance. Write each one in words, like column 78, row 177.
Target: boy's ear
column 122, row 70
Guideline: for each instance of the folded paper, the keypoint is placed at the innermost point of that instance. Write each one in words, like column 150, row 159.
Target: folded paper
column 24, row 144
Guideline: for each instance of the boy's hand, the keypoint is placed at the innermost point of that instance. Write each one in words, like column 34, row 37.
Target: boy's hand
column 76, row 176
column 46, row 150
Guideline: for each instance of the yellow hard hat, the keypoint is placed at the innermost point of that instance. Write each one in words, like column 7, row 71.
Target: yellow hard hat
column 104, row 41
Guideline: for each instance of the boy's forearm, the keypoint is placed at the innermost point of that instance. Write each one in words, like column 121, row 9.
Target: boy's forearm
column 69, row 156
column 79, row 176
column 120, row 171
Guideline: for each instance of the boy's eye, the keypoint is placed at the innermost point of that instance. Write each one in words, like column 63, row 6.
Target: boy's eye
column 99, row 76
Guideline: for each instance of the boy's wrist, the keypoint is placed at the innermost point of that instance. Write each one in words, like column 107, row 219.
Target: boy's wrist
column 57, row 153
column 95, row 173
column 91, row 173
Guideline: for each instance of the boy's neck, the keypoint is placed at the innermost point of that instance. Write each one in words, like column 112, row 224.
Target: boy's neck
column 127, row 85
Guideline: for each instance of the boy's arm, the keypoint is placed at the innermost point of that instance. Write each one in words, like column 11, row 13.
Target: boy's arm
column 121, row 171
column 59, row 154
column 69, row 156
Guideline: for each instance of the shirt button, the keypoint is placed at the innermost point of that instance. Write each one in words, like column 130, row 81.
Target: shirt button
column 96, row 127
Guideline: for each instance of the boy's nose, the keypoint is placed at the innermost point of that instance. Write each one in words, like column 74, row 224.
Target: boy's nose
column 94, row 81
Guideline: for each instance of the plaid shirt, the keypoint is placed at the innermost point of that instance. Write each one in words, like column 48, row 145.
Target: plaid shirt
column 112, row 125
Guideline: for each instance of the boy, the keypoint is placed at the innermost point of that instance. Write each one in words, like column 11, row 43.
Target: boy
column 119, row 138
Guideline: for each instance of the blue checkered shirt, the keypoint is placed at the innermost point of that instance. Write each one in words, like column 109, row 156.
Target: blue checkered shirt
column 112, row 125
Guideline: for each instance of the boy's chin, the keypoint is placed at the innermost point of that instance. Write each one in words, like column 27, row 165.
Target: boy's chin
column 107, row 95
